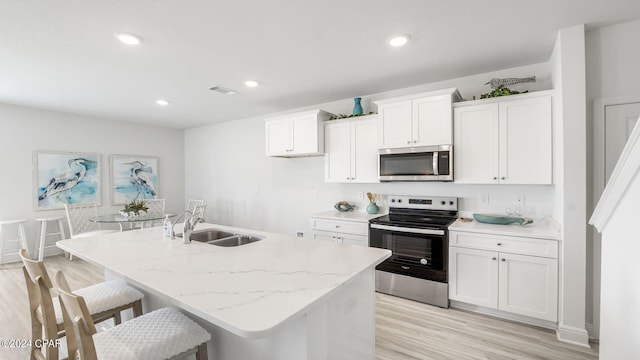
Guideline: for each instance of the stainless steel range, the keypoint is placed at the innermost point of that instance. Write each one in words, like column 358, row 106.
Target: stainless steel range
column 416, row 233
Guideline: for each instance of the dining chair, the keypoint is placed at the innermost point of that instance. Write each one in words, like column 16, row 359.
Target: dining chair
column 104, row 300
column 161, row 334
column 78, row 216
column 199, row 210
column 154, row 206
column 191, row 205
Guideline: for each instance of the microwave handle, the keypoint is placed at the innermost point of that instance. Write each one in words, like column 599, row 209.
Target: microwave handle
column 435, row 163
column 407, row 230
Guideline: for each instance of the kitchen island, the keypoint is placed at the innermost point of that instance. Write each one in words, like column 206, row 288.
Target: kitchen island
column 278, row 298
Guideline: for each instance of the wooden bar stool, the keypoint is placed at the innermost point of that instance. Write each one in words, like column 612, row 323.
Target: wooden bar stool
column 104, row 301
column 44, row 234
column 22, row 238
column 161, row 334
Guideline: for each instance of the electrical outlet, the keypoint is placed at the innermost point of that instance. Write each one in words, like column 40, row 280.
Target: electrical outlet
column 361, row 195
column 520, row 200
column 484, row 199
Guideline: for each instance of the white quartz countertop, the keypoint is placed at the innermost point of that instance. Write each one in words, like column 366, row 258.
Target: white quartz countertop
column 545, row 228
column 248, row 290
column 356, row 216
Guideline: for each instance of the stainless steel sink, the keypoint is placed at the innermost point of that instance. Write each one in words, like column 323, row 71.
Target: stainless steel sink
column 221, row 238
column 207, row 235
column 235, row 240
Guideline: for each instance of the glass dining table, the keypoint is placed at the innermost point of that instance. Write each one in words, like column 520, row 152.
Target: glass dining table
column 121, row 220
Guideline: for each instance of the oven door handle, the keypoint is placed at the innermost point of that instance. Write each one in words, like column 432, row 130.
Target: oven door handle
column 407, row 230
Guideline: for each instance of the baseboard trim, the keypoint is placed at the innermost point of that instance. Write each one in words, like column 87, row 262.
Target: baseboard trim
column 504, row 315
column 573, row 335
column 593, row 334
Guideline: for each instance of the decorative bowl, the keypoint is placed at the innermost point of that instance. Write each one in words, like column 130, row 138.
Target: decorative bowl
column 498, row 219
column 343, row 206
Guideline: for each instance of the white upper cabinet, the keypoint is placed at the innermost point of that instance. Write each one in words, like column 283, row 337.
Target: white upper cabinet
column 417, row 120
column 299, row 134
column 351, row 150
column 504, row 141
column 394, row 124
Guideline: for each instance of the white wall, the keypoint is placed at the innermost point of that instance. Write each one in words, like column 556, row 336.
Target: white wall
column 612, row 58
column 24, row 130
column 226, row 163
column 620, row 322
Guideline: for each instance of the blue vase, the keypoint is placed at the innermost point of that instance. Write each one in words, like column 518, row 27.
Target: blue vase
column 372, row 208
column 357, row 108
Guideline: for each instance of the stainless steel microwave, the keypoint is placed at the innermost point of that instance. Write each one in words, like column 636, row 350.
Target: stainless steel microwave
column 424, row 163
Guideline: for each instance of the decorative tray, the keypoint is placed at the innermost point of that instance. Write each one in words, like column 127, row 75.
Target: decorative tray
column 501, row 219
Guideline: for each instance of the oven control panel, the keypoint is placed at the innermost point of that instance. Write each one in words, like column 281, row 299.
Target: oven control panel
column 423, row 202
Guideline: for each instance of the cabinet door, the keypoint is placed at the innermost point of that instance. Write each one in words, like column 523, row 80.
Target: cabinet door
column 278, row 137
column 304, row 132
column 529, row 286
column 476, row 144
column 526, row 141
column 337, row 157
column 394, row 124
column 473, row 276
column 432, row 121
column 364, row 151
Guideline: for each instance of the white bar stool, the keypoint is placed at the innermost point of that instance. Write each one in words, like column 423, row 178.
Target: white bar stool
column 44, row 234
column 22, row 238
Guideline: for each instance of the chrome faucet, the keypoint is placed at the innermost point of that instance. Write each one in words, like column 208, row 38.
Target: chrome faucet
column 188, row 227
column 173, row 232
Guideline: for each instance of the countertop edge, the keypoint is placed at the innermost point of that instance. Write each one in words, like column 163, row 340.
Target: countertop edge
column 547, row 229
column 353, row 216
column 245, row 333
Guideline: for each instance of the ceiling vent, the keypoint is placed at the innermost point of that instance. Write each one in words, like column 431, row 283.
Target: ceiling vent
column 222, row 90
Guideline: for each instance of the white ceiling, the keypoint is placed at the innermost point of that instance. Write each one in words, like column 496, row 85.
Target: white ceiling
column 62, row 55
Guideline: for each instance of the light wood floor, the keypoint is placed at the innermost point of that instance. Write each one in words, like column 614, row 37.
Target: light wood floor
column 404, row 329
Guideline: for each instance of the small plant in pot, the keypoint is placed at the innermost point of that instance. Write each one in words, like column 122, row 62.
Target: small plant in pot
column 134, row 208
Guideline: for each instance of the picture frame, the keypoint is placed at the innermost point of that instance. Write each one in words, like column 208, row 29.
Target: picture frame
column 65, row 177
column 133, row 177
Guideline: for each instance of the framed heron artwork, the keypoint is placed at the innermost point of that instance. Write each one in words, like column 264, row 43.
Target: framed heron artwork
column 133, row 178
column 65, row 178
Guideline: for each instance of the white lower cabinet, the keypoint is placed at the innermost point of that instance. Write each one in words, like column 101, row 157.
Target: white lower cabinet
column 341, row 232
column 500, row 272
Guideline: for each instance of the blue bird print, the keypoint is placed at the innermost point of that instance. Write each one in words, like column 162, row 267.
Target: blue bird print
column 66, row 181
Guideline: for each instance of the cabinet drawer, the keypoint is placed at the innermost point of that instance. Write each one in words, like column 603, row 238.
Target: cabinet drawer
column 506, row 244
column 346, row 227
column 341, row 238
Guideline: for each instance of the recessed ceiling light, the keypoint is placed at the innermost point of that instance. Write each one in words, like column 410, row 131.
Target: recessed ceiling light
column 162, row 102
column 399, row 40
column 129, row 38
column 251, row 83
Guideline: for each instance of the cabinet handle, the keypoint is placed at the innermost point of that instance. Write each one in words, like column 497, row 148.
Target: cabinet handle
column 494, row 258
column 499, row 244
column 337, row 226
column 415, row 141
column 409, row 142
column 503, row 259
column 503, row 178
column 495, row 178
